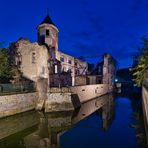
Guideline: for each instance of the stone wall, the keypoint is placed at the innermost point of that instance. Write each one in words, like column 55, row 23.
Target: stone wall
column 13, row 104
column 32, row 59
column 95, row 79
column 80, row 80
column 58, row 102
column 67, row 63
column 65, row 100
column 64, row 79
column 145, row 109
column 88, row 92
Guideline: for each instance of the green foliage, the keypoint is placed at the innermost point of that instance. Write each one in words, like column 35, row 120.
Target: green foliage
column 5, row 69
column 141, row 70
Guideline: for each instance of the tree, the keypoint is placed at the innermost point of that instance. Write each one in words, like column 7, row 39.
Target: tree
column 141, row 70
column 16, row 75
column 5, row 69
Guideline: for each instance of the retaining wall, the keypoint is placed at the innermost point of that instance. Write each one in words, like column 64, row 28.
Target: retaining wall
column 88, row 92
column 61, row 101
column 58, row 102
column 13, row 104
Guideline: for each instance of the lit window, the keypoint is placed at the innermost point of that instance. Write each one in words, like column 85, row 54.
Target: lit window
column 33, row 58
column 19, row 59
column 56, row 69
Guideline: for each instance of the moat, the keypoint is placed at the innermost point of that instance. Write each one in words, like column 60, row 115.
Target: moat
column 108, row 121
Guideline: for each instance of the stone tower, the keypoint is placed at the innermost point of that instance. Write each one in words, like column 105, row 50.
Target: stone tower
column 109, row 69
column 48, row 33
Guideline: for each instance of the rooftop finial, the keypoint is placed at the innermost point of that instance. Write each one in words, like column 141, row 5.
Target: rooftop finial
column 47, row 11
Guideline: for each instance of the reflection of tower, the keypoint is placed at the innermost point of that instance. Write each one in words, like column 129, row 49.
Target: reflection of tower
column 108, row 112
column 50, row 128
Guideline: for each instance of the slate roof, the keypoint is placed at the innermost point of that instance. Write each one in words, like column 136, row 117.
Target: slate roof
column 47, row 20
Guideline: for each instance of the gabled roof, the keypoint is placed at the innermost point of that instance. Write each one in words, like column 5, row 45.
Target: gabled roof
column 47, row 20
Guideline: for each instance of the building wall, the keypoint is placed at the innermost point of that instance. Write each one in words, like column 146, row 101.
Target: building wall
column 67, row 63
column 14, row 104
column 109, row 70
column 94, row 79
column 60, row 80
column 81, row 67
column 80, row 80
column 34, row 60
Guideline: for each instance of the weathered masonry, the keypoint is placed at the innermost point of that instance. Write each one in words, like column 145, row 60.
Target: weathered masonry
column 14, row 104
column 52, row 100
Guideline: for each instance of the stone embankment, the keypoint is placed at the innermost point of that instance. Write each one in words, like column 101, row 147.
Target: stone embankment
column 13, row 104
column 88, row 92
column 52, row 100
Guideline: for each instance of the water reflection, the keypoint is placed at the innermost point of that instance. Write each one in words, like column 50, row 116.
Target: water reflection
column 13, row 129
column 104, row 105
column 53, row 125
column 50, row 127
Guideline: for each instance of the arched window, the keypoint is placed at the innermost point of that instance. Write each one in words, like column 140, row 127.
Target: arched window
column 19, row 59
column 47, row 32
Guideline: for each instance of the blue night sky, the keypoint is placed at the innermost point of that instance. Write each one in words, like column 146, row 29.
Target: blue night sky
column 87, row 27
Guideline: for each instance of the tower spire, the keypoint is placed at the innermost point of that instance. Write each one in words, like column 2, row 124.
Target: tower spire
column 47, row 11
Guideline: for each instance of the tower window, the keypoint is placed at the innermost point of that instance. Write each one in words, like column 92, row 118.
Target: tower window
column 47, row 32
column 19, row 59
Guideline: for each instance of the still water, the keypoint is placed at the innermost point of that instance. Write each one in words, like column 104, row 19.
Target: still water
column 105, row 122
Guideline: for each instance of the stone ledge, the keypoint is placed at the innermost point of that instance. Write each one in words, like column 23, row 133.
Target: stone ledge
column 59, row 102
column 59, row 90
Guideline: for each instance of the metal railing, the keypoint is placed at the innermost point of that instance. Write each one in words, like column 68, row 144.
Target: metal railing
column 16, row 89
